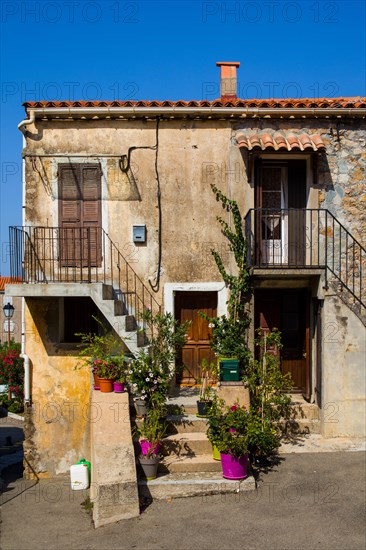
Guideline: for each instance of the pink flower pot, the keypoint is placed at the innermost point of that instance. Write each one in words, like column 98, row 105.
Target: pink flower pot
column 234, row 468
column 118, row 387
column 147, row 447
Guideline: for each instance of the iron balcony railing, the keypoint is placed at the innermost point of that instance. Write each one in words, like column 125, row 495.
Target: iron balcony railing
column 306, row 238
column 78, row 255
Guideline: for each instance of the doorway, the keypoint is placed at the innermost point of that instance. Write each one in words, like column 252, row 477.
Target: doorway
column 288, row 310
column 280, row 221
column 187, row 306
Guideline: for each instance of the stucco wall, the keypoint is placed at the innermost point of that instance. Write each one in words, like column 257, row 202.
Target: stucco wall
column 57, row 425
column 344, row 382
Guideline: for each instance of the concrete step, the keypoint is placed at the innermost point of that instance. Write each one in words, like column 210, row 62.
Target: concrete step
column 186, row 444
column 177, row 485
column 185, row 423
column 195, row 463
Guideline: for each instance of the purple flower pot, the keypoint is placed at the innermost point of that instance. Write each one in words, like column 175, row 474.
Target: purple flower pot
column 118, row 387
column 147, row 447
column 234, row 468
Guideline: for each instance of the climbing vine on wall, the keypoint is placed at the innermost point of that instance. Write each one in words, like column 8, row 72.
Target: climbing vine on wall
column 239, row 284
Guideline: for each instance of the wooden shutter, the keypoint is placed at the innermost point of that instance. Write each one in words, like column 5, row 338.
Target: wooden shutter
column 80, row 214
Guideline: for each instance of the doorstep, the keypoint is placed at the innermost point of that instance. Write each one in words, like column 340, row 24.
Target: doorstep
column 182, row 485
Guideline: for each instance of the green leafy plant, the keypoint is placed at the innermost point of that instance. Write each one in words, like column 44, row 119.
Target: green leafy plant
column 209, row 372
column 229, row 331
column 150, row 373
column 269, row 393
column 152, row 429
column 103, row 353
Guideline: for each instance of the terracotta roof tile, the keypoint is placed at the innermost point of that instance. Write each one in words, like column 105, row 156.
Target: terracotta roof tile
column 270, row 139
column 8, row 281
column 336, row 102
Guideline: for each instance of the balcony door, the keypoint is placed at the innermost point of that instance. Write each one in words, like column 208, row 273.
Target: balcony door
column 80, row 216
column 280, row 200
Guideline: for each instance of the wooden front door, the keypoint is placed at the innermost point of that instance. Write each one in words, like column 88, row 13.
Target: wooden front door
column 280, row 201
column 80, row 214
column 288, row 310
column 187, row 308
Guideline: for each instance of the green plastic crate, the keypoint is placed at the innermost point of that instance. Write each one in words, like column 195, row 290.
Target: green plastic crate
column 229, row 370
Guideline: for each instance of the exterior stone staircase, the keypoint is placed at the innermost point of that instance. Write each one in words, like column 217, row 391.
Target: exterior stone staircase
column 188, row 468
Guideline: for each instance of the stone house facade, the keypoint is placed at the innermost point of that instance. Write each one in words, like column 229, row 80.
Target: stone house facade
column 119, row 215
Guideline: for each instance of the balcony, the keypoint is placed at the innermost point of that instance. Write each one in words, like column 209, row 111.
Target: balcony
column 297, row 238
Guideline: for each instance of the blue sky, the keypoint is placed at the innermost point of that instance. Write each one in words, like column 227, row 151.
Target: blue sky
column 167, row 50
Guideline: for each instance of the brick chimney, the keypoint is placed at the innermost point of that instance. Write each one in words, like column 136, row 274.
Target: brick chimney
column 228, row 79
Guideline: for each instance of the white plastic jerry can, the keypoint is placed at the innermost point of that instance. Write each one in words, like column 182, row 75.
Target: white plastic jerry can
column 79, row 475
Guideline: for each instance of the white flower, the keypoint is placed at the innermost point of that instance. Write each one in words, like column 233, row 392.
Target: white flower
column 147, row 379
column 211, row 325
column 143, row 391
column 155, row 381
column 151, row 374
column 143, row 397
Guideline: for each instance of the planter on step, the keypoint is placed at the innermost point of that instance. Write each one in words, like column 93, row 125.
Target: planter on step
column 106, row 386
column 140, row 406
column 149, row 466
column 148, row 448
column 96, row 382
column 118, row 387
column 215, row 453
column 233, row 467
column 202, row 407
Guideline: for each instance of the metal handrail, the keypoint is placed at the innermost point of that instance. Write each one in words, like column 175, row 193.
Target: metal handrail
column 78, row 255
column 306, row 238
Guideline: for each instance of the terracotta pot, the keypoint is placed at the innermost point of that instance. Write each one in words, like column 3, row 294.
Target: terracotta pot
column 106, row 386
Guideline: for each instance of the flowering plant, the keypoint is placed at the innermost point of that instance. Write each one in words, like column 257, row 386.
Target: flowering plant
column 237, row 429
column 150, row 373
column 103, row 354
column 11, row 368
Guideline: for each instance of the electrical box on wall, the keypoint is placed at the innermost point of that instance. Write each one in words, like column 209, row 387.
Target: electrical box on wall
column 139, row 233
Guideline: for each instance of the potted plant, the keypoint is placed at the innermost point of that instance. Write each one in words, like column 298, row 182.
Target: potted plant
column 150, row 434
column 103, row 354
column 206, row 391
column 119, row 369
column 150, row 373
column 227, row 430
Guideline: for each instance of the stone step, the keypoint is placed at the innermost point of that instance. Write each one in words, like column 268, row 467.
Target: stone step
column 302, row 426
column 185, row 423
column 310, row 411
column 188, row 443
column 177, row 485
column 195, row 463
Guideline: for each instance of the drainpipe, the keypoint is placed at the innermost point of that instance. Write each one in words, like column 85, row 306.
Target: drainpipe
column 27, row 398
column 27, row 121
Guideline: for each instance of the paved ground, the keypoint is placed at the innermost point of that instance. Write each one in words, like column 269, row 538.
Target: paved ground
column 304, row 501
